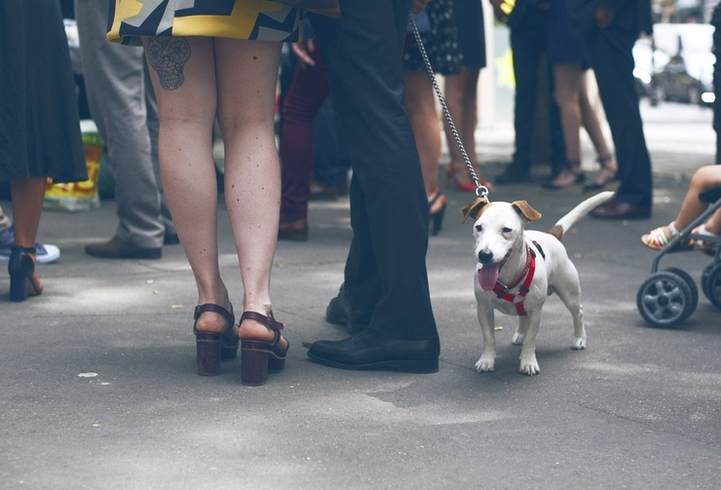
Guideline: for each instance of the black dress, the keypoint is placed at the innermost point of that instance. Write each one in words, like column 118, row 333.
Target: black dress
column 39, row 123
column 468, row 17
column 440, row 42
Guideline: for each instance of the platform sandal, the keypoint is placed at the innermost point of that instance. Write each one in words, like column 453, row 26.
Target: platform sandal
column 21, row 267
column 260, row 356
column 213, row 347
column 657, row 238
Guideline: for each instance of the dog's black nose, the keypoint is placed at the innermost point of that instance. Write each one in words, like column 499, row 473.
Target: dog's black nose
column 485, row 257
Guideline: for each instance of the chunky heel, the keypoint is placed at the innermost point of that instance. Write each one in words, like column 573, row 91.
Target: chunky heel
column 258, row 356
column 21, row 268
column 208, row 352
column 254, row 362
column 213, row 347
column 18, row 287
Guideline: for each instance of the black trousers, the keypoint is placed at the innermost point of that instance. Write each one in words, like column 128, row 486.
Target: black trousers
column 386, row 280
column 610, row 53
column 528, row 43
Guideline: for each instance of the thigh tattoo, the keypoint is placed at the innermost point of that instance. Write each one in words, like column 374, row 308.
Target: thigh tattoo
column 168, row 56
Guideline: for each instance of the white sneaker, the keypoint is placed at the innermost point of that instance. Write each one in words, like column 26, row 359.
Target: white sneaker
column 44, row 252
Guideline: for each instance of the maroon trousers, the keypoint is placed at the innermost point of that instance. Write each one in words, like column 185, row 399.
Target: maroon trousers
column 307, row 92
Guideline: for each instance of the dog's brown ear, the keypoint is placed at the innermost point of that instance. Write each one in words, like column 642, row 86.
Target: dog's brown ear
column 525, row 210
column 474, row 209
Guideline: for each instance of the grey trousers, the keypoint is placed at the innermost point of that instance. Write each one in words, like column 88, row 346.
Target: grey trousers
column 123, row 106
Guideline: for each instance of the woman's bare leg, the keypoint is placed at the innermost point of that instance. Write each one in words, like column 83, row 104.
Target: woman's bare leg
column 247, row 72
column 421, row 108
column 186, row 96
column 27, row 199
column 590, row 120
column 462, row 101
column 567, row 80
column 593, row 127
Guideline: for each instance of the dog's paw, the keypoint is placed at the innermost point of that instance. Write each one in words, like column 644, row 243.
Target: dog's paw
column 529, row 366
column 517, row 338
column 579, row 344
column 485, row 364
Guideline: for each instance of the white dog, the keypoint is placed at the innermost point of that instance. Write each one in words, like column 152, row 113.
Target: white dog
column 516, row 271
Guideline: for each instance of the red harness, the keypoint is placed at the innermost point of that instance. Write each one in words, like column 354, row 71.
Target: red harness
column 502, row 291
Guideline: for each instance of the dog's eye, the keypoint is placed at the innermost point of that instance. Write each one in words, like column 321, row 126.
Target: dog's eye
column 506, row 229
column 479, row 228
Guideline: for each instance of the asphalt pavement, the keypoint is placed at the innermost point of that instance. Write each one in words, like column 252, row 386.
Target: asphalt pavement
column 99, row 387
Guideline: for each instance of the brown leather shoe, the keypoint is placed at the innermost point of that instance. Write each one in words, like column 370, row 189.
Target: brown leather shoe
column 294, row 231
column 117, row 248
column 616, row 209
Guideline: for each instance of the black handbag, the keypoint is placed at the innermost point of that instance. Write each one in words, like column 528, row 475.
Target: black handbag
column 329, row 8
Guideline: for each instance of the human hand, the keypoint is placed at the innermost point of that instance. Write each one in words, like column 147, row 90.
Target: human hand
column 302, row 50
column 418, row 6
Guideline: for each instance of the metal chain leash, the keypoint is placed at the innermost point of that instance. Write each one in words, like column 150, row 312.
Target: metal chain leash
column 481, row 190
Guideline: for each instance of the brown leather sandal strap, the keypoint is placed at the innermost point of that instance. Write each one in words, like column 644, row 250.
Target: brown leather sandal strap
column 603, row 160
column 200, row 309
column 268, row 321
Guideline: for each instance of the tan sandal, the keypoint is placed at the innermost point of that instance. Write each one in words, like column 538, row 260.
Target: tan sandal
column 658, row 238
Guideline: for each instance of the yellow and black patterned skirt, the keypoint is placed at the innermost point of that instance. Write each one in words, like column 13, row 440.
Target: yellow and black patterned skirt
column 262, row 20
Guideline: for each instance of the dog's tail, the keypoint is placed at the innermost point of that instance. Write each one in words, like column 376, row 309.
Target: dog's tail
column 577, row 213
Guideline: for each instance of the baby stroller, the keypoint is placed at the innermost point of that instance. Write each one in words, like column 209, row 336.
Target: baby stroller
column 668, row 297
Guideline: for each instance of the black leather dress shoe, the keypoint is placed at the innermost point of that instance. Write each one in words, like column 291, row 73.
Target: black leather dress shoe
column 369, row 350
column 615, row 209
column 117, row 248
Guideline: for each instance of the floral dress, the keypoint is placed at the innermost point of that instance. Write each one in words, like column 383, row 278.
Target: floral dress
column 440, row 41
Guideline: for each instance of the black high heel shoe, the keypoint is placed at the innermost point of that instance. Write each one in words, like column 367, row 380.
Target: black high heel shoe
column 436, row 210
column 213, row 347
column 21, row 267
column 260, row 356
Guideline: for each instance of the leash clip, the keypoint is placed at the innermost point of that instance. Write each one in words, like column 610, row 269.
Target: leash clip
column 481, row 191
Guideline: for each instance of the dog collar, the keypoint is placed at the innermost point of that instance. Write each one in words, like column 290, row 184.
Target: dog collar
column 502, row 291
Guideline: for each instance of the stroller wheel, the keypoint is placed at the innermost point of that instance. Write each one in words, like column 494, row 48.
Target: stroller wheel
column 711, row 283
column 665, row 299
column 690, row 282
